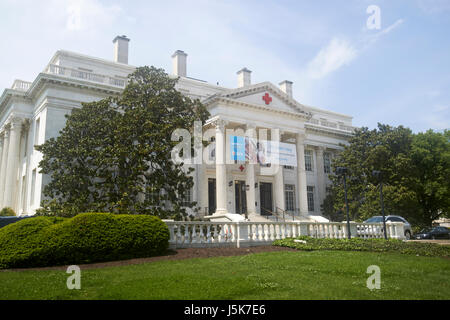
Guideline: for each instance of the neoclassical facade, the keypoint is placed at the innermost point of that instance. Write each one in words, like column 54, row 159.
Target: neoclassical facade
column 32, row 112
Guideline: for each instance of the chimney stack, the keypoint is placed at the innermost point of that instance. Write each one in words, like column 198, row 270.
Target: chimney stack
column 286, row 87
column 121, row 49
column 179, row 59
column 244, row 77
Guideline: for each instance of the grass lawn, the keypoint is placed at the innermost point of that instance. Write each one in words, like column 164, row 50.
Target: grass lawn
column 271, row 275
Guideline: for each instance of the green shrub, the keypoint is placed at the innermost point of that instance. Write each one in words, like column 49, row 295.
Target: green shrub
column 24, row 241
column 7, row 212
column 85, row 238
column 359, row 244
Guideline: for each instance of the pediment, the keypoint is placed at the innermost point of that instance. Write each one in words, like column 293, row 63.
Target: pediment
column 265, row 95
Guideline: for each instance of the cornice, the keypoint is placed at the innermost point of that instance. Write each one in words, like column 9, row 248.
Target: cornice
column 55, row 79
column 328, row 131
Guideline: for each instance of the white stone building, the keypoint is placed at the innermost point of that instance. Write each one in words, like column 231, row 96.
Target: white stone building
column 32, row 112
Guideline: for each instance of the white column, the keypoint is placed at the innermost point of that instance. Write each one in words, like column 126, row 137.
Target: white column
column 221, row 171
column 250, row 176
column 4, row 165
column 22, row 185
column 301, row 175
column 320, row 175
column 279, row 182
column 13, row 161
column 202, row 188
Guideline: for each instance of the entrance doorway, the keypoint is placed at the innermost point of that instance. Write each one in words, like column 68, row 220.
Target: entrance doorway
column 265, row 193
column 240, row 197
column 212, row 196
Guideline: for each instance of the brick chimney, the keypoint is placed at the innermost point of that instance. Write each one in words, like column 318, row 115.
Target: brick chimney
column 121, row 49
column 244, row 77
column 286, row 87
column 179, row 59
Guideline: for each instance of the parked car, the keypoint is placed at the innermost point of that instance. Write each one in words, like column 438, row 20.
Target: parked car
column 4, row 221
column 392, row 218
column 433, row 233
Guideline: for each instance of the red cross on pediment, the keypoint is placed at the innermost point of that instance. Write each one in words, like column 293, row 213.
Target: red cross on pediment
column 267, row 98
column 241, row 168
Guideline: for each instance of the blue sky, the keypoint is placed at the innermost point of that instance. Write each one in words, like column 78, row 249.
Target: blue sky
column 398, row 74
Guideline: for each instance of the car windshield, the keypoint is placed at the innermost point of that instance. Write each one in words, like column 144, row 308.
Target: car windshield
column 426, row 230
column 374, row 220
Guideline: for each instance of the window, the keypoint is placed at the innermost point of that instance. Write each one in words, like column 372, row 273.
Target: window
column 327, row 162
column 187, row 200
column 308, row 160
column 152, row 195
column 289, row 190
column 394, row 219
column 212, row 149
column 310, row 197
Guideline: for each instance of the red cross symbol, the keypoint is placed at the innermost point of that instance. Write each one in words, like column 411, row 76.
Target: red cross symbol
column 241, row 168
column 267, row 98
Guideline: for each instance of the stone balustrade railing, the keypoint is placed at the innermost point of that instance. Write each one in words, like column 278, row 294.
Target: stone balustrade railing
column 329, row 124
column 188, row 234
column 84, row 75
column 21, row 85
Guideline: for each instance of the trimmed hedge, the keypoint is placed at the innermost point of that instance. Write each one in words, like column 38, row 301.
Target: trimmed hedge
column 22, row 241
column 359, row 244
column 7, row 212
column 85, row 238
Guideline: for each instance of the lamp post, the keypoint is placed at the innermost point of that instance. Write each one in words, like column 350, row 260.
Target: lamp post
column 377, row 174
column 342, row 171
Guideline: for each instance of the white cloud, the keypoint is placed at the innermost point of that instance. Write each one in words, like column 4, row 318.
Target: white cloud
column 434, row 6
column 336, row 54
column 87, row 14
column 440, row 108
column 371, row 39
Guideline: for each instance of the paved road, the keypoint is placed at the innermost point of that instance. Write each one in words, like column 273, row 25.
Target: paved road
column 442, row 242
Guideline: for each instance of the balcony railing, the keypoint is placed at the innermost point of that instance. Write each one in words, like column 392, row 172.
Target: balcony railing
column 329, row 124
column 85, row 75
column 21, row 85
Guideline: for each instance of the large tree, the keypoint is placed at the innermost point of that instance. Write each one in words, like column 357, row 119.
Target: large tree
column 415, row 174
column 115, row 154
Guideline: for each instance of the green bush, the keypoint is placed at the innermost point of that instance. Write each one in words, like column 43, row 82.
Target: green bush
column 7, row 212
column 23, row 241
column 359, row 244
column 85, row 238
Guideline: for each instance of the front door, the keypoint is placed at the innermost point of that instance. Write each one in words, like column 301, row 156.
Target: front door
column 240, row 196
column 265, row 193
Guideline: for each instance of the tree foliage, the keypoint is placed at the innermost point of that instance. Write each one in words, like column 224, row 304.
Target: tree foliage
column 415, row 175
column 114, row 155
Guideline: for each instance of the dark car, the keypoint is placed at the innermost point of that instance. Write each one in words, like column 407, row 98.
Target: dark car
column 4, row 221
column 433, row 233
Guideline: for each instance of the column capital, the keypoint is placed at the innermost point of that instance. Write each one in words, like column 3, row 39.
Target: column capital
column 320, row 149
column 26, row 124
column 5, row 131
column 219, row 124
column 300, row 137
column 16, row 123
